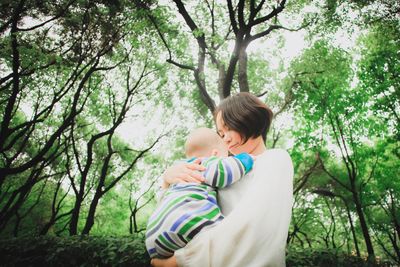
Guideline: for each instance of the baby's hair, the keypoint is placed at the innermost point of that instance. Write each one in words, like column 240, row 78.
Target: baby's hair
column 201, row 141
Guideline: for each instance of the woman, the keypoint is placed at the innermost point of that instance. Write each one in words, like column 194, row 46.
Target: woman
column 257, row 208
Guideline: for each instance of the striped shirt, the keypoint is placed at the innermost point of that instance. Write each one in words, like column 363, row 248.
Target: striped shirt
column 187, row 208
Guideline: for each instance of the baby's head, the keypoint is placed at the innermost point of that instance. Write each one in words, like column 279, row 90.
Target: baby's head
column 204, row 142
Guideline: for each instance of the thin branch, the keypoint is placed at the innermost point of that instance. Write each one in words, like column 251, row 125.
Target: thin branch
column 232, row 17
column 272, row 14
column 371, row 174
column 263, row 93
column 333, row 177
column 254, row 10
column 49, row 20
column 211, row 9
column 275, row 27
column 192, row 25
column 164, row 41
column 187, row 67
column 307, row 175
column 129, row 168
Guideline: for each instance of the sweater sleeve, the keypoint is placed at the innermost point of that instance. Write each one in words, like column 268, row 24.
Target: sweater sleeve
column 254, row 233
column 222, row 172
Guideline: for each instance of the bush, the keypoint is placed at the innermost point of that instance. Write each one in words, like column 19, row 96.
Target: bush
column 131, row 251
column 327, row 257
column 74, row 251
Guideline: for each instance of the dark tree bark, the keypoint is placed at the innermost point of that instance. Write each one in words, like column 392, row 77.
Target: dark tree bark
column 102, row 186
column 353, row 231
column 21, row 154
column 353, row 189
column 18, row 196
column 20, row 217
column 135, row 208
column 56, row 206
column 327, row 193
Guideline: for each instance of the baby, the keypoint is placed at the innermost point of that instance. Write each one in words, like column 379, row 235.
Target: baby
column 187, row 208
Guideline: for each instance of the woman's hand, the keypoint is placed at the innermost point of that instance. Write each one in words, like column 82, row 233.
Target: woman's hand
column 170, row 262
column 184, row 173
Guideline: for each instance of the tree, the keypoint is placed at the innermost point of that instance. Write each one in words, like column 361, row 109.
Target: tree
column 378, row 73
column 336, row 113
column 46, row 74
column 248, row 21
column 62, row 57
column 135, row 207
column 383, row 192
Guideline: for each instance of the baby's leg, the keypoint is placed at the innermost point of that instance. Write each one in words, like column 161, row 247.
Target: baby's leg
column 176, row 226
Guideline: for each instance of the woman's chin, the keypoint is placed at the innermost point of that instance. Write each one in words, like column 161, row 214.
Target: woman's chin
column 235, row 150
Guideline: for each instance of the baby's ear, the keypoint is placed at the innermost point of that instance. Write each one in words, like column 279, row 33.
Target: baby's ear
column 214, row 152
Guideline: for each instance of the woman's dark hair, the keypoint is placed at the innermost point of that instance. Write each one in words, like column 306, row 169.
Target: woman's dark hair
column 245, row 114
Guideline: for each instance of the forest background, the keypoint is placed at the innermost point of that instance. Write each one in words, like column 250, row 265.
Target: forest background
column 97, row 97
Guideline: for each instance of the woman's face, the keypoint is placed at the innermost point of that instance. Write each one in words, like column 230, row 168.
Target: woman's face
column 232, row 138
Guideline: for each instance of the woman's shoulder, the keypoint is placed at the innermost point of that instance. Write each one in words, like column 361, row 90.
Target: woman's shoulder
column 276, row 152
column 277, row 155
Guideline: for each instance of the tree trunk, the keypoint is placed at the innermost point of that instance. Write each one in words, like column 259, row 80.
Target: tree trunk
column 47, row 226
column 332, row 226
column 221, row 80
column 17, row 223
column 394, row 244
column 353, row 231
column 242, row 73
column 8, row 212
column 226, row 90
column 73, row 224
column 363, row 224
column 92, row 211
column 131, row 224
column 393, row 212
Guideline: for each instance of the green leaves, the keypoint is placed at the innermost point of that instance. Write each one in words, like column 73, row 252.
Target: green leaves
column 378, row 73
column 346, row 112
column 75, row 251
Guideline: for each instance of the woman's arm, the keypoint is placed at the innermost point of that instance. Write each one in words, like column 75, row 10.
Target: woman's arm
column 170, row 262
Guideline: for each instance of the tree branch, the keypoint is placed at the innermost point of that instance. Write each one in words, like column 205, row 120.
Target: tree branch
column 272, row 14
column 333, row 177
column 192, row 25
column 49, row 20
column 242, row 23
column 232, row 17
column 274, row 27
column 306, row 175
column 129, row 168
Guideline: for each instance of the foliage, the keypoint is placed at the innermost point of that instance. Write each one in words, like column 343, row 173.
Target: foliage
column 74, row 251
column 326, row 257
column 130, row 251
column 378, row 72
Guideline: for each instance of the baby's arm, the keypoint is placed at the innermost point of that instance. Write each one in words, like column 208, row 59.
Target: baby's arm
column 222, row 172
